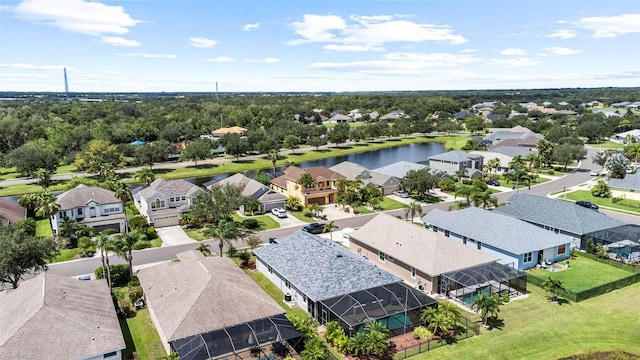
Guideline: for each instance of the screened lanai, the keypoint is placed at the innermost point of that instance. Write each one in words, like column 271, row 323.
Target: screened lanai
column 465, row 286
column 255, row 339
column 622, row 242
column 395, row 305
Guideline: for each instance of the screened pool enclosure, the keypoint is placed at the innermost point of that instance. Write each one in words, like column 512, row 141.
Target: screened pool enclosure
column 396, row 305
column 621, row 242
column 465, row 286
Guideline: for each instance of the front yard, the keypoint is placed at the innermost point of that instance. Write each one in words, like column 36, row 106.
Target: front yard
column 627, row 205
column 265, row 222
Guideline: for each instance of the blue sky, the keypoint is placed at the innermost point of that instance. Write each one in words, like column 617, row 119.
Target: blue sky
column 331, row 45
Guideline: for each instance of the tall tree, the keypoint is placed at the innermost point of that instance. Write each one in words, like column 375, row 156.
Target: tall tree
column 104, row 243
column 412, row 209
column 419, row 182
column 218, row 202
column 291, row 142
column 124, row 244
column 21, row 253
column 197, row 150
column 145, row 176
column 554, row 287
column 225, row 231
column 330, row 227
column 274, row 156
column 339, row 134
column 97, row 154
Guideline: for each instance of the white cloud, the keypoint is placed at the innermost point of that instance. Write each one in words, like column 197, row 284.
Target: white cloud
column 468, row 51
column 554, row 50
column 249, row 27
column 563, row 34
column 221, row 59
column 513, row 52
column 352, row 48
column 149, row 56
column 202, row 42
column 371, row 32
column 513, row 62
column 268, row 60
column 85, row 17
column 26, row 66
column 119, row 41
column 611, row 26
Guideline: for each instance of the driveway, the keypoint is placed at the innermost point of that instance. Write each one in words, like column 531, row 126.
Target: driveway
column 289, row 221
column 174, row 235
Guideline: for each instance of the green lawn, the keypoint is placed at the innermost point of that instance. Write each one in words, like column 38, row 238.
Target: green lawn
column 390, row 204
column 606, row 202
column 534, row 329
column 66, row 255
column 509, row 184
column 273, row 291
column 197, row 234
column 265, row 222
column 300, row 216
column 156, row 242
column 607, row 145
column 43, row 228
column 141, row 336
column 583, row 273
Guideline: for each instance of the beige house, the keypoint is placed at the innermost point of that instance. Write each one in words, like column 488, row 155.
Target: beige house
column 57, row 317
column 228, row 130
column 163, row 202
column 324, row 191
column 415, row 254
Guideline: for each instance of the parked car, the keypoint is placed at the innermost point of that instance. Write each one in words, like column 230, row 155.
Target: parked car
column 314, row 228
column 587, row 204
column 400, row 193
column 493, row 182
column 594, row 173
column 279, row 212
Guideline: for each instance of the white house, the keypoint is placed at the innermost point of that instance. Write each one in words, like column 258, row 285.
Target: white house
column 92, row 206
column 163, row 202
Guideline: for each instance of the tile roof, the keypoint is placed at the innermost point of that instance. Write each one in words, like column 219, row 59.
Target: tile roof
column 501, row 231
column 455, row 156
column 167, row 188
column 321, row 268
column 12, row 211
column 418, row 247
column 557, row 214
column 81, row 195
column 294, row 173
column 230, row 130
column 57, row 317
column 630, row 181
column 199, row 294
column 399, row 169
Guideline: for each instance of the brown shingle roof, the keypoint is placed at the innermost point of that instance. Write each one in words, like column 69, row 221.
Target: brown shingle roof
column 425, row 250
column 11, row 211
column 56, row 317
column 200, row 294
column 82, row 194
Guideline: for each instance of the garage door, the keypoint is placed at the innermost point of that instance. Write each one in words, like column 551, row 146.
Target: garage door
column 167, row 220
column 98, row 229
column 319, row 201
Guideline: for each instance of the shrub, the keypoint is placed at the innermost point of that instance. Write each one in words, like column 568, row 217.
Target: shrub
column 307, row 212
column 250, row 224
column 551, row 172
column 447, row 185
column 422, row 333
column 119, row 274
column 125, row 308
column 137, row 223
column 244, row 256
column 135, row 293
column 232, row 251
column 467, row 181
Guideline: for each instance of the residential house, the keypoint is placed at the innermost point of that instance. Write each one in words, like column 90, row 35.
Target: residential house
column 495, row 117
column 594, row 104
column 527, row 139
column 607, row 113
column 624, row 137
column 333, row 284
column 58, row 317
column 453, row 161
column 413, row 253
column 393, row 116
column 515, row 129
column 352, row 171
column 11, row 212
column 560, row 217
column 228, row 130
column 461, row 115
column 484, row 106
column 505, row 154
column 267, row 197
column 339, row 118
column 399, row 169
column 92, row 206
column 164, row 202
column 515, row 242
column 323, row 191
column 630, row 182
column 208, row 305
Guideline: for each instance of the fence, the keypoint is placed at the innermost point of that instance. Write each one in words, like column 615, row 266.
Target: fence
column 619, row 264
column 471, row 329
column 589, row 293
column 622, row 200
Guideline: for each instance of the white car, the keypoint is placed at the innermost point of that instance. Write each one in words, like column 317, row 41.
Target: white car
column 400, row 193
column 279, row 212
column 594, row 173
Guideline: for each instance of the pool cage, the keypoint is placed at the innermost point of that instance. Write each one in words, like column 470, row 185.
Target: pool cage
column 465, row 286
column 242, row 341
column 396, row 305
column 621, row 242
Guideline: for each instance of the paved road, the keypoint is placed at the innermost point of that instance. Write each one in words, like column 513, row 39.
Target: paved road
column 148, row 256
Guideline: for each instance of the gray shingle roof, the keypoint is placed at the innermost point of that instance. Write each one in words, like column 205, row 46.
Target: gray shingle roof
column 501, row 231
column 199, row 294
column 82, row 194
column 455, row 156
column 252, row 188
column 320, row 268
column 11, row 211
column 512, row 151
column 630, row 181
column 418, row 247
column 168, row 188
column 351, row 170
column 57, row 317
column 399, row 169
column 557, row 214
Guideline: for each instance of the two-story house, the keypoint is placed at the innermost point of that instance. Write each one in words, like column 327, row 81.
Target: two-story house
column 323, row 191
column 92, row 206
column 163, row 202
column 452, row 161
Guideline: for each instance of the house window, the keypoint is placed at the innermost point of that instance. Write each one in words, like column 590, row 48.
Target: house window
column 80, row 211
column 479, row 245
column 287, row 284
column 390, row 258
column 562, row 249
column 464, row 240
column 556, row 231
column 413, row 273
column 270, row 269
column 158, row 204
column 434, row 228
column 446, row 233
column 528, row 257
column 381, row 256
column 171, row 200
column 109, row 354
column 184, row 198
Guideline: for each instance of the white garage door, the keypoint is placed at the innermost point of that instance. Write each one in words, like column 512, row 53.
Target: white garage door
column 166, row 220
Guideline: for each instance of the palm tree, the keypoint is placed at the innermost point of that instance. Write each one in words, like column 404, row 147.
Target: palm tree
column 314, row 349
column 484, row 198
column 293, row 203
column 358, row 344
column 104, row 243
column 145, row 176
column 121, row 191
column 172, row 356
column 225, row 231
column 488, row 306
column 533, row 159
column 439, row 324
column 205, row 249
column 67, row 227
column 124, row 245
column 306, row 180
column 46, row 205
column 427, row 314
column 376, row 326
column 274, row 156
column 329, row 228
column 450, row 310
column 461, row 173
column 494, row 164
column 376, row 342
column 412, row 208
column 554, row 287
column 44, row 177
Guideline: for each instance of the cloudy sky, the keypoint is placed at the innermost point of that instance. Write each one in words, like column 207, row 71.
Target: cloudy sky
column 304, row 45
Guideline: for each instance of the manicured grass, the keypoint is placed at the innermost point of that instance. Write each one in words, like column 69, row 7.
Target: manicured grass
column 300, row 216
column 608, row 145
column 265, row 222
column 66, row 255
column 388, row 203
column 509, row 184
column 197, row 234
column 156, row 242
column 606, row 202
column 275, row 293
column 583, row 273
column 144, row 336
column 43, row 228
column 534, row 329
